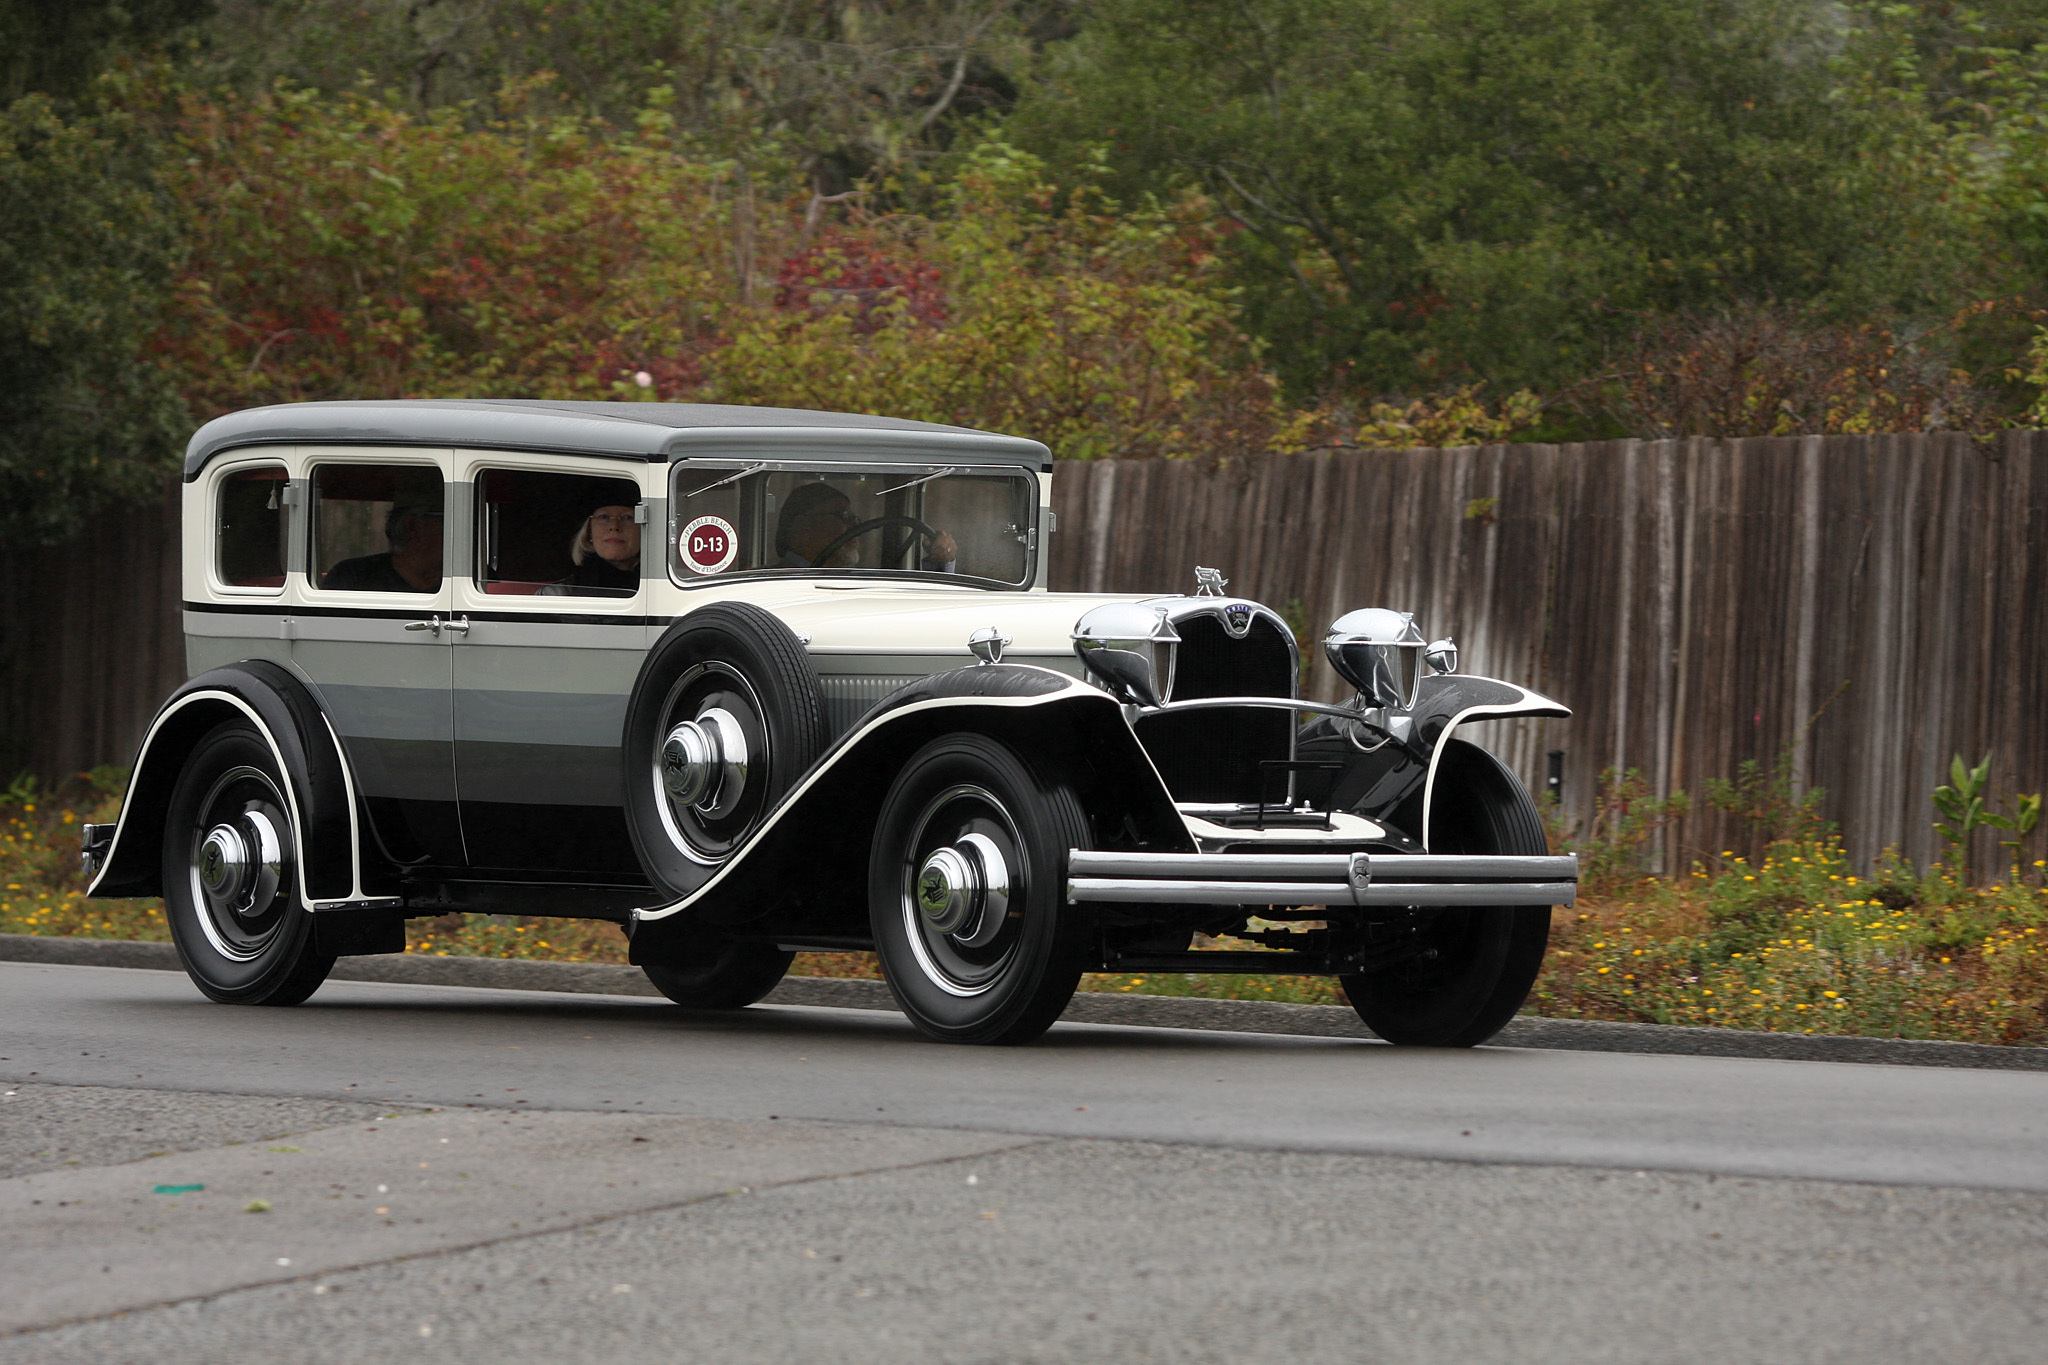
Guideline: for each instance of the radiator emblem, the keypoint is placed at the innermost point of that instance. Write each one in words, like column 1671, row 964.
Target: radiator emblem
column 1237, row 619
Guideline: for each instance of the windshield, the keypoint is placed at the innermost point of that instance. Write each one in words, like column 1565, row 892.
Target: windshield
column 966, row 522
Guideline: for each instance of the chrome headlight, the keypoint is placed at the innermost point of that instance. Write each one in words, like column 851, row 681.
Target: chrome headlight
column 1130, row 648
column 1379, row 652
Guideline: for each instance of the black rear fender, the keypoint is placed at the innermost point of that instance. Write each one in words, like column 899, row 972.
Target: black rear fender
column 327, row 825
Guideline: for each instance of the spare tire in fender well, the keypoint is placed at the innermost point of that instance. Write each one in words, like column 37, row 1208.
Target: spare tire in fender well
column 750, row 669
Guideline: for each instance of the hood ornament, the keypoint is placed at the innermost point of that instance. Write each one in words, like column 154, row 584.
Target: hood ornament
column 1209, row 582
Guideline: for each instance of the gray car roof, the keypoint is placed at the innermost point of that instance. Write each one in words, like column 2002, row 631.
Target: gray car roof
column 631, row 431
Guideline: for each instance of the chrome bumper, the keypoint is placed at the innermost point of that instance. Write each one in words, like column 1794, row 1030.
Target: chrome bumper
column 1325, row 879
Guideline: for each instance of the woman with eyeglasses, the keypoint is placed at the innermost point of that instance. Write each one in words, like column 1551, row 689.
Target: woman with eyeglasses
column 606, row 553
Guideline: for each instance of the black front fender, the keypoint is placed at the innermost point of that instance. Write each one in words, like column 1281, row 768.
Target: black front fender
column 1394, row 782
column 805, row 869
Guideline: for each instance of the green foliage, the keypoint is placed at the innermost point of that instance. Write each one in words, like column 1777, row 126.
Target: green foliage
column 1766, row 800
column 56, row 47
column 1101, row 332
column 42, row 890
column 1625, row 819
column 1964, row 810
column 1438, row 221
column 1443, row 191
column 1961, row 803
column 1800, row 943
column 845, row 89
column 342, row 248
column 88, row 244
column 1458, row 418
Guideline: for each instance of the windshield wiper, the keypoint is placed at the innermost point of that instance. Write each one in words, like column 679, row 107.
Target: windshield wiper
column 730, row 478
column 949, row 469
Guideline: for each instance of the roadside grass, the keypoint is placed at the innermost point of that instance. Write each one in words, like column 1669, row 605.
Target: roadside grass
column 42, row 890
column 1800, row 942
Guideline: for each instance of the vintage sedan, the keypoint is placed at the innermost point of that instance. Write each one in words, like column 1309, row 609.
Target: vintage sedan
column 750, row 681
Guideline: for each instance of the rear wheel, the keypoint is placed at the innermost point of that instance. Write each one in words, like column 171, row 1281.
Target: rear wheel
column 231, row 872
column 966, row 880
column 1459, row 974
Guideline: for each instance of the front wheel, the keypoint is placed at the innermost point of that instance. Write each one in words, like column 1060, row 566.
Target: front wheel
column 231, row 876
column 1457, row 975
column 966, row 880
column 723, row 975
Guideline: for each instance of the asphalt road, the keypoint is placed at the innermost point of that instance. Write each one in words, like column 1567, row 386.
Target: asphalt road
column 467, row 1172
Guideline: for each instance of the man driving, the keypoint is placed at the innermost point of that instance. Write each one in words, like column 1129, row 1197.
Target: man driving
column 814, row 515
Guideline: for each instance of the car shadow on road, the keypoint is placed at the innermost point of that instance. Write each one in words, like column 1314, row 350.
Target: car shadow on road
column 642, row 1017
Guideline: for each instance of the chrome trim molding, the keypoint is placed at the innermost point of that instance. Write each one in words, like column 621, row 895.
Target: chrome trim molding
column 1275, row 703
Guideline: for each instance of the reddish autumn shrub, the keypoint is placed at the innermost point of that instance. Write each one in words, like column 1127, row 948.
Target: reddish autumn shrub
column 342, row 248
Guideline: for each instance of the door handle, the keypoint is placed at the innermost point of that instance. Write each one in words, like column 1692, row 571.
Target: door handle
column 458, row 625
column 432, row 623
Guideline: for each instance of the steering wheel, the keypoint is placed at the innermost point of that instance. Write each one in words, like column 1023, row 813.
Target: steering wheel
column 872, row 524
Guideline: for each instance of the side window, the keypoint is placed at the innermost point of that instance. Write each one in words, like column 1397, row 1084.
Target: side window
column 990, row 517
column 249, row 527
column 377, row 528
column 557, row 535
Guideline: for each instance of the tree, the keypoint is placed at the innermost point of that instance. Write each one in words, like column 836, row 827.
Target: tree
column 1433, row 192
column 88, row 244
column 844, row 88
column 55, row 47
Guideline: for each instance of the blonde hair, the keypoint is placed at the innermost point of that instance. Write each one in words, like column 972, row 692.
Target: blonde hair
column 581, row 547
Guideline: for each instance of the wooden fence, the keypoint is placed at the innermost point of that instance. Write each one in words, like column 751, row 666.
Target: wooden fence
column 1867, row 606
column 90, row 641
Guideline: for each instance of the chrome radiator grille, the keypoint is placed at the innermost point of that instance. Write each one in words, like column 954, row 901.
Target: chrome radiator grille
column 1215, row 755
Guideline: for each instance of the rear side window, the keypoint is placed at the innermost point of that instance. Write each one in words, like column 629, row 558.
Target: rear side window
column 250, row 525
column 377, row 528
column 557, row 535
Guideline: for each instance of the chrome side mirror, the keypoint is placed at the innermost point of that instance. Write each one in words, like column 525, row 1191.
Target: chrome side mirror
column 1377, row 651
column 1441, row 656
column 1129, row 648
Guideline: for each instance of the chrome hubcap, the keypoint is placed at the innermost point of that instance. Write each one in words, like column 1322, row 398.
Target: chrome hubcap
column 963, row 890
column 223, row 863
column 704, row 763
column 241, row 877
column 240, row 864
